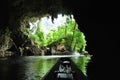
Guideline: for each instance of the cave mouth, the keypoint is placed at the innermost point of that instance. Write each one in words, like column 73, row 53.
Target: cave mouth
column 54, row 35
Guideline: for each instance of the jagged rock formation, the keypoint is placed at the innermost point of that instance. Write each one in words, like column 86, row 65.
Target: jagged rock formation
column 22, row 11
column 6, row 43
column 96, row 19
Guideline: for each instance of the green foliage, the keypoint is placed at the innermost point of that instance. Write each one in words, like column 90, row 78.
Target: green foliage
column 68, row 34
column 26, row 31
column 7, row 30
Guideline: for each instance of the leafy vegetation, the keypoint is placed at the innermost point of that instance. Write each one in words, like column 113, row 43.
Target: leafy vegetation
column 7, row 30
column 67, row 33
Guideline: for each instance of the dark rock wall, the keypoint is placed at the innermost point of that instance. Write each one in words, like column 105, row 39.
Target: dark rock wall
column 96, row 19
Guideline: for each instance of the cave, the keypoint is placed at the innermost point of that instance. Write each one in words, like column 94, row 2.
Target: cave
column 98, row 35
column 23, row 15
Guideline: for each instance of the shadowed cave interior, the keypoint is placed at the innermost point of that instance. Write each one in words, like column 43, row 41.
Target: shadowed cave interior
column 98, row 36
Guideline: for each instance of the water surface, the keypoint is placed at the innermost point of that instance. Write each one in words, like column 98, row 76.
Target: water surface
column 33, row 67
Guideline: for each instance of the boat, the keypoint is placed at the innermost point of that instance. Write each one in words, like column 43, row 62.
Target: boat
column 65, row 69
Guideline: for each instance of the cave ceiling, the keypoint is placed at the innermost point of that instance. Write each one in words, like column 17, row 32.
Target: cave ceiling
column 18, row 9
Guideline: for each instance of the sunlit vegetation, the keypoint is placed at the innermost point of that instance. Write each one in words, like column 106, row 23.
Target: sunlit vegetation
column 52, row 31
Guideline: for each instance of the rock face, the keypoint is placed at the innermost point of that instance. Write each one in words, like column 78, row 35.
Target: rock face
column 19, row 13
column 31, row 50
column 101, row 24
column 59, row 49
column 6, row 43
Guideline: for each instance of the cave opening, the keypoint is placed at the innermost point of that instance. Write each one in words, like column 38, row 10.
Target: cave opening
column 55, row 35
column 24, row 36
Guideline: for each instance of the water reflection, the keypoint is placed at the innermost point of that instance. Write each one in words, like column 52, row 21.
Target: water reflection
column 82, row 62
column 33, row 67
column 25, row 68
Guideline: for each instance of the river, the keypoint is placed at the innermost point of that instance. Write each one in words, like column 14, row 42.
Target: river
column 33, row 67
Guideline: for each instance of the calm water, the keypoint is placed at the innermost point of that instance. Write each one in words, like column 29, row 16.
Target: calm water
column 31, row 67
column 82, row 62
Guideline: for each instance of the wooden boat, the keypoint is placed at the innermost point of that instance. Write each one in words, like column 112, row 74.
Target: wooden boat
column 65, row 69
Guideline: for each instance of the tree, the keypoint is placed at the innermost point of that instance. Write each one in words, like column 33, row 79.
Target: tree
column 67, row 34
